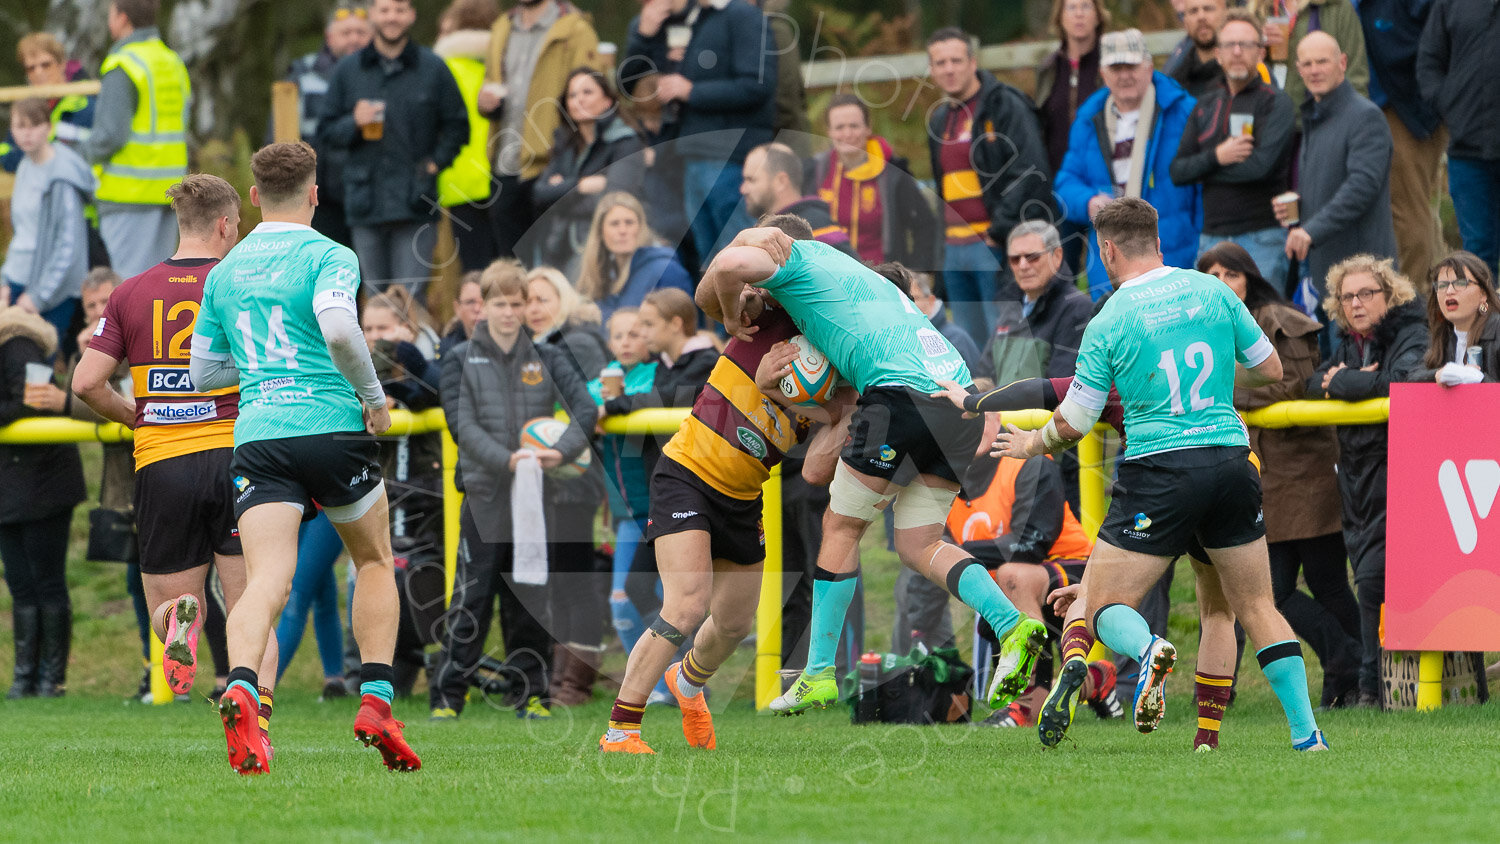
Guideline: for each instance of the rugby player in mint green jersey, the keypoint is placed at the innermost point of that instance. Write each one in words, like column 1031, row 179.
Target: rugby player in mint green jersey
column 904, row 445
column 1175, row 343
column 279, row 318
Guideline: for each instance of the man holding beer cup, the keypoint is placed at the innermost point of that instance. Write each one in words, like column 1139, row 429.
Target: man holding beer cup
column 397, row 111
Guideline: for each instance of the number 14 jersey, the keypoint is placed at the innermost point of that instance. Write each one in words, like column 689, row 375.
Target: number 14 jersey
column 260, row 307
column 1169, row 340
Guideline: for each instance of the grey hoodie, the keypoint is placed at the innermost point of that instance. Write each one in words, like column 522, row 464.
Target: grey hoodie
column 54, row 270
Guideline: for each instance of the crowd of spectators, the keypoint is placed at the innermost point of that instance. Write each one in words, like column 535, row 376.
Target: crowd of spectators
column 1292, row 149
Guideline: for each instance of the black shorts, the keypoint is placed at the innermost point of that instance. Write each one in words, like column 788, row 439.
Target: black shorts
column 184, row 511
column 333, row 470
column 1164, row 502
column 897, row 433
column 680, row 501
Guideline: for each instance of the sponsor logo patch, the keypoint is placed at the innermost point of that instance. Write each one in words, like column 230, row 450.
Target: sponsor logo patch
column 240, row 483
column 685, row 514
column 168, row 379
column 752, row 442
column 178, row 413
column 276, row 383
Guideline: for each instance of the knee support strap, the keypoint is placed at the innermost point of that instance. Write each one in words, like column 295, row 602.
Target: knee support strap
column 920, row 505
column 666, row 631
column 847, row 496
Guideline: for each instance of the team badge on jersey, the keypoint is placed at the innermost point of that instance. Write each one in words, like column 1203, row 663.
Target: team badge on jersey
column 531, row 373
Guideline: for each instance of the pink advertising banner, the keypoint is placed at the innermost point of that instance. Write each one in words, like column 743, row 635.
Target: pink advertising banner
column 1442, row 586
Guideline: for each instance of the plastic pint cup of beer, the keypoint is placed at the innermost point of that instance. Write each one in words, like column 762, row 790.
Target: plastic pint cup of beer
column 375, row 129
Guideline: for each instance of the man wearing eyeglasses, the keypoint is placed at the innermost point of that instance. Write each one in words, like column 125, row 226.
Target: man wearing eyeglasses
column 1345, row 169
column 1238, row 146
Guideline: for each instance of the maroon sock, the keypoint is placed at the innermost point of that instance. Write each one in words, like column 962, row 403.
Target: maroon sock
column 1211, row 691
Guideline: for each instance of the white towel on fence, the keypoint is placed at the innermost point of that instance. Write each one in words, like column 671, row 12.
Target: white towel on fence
column 529, row 523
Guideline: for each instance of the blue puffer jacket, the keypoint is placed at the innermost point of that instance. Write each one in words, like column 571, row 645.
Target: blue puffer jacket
column 651, row 268
column 1086, row 173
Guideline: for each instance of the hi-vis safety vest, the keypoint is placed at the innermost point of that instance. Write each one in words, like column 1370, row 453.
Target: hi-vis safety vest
column 154, row 156
column 467, row 179
column 987, row 516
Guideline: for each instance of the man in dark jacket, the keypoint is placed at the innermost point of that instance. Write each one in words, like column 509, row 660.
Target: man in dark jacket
column 990, row 167
column 396, row 109
column 500, row 382
column 1459, row 71
column 1195, row 61
column 1238, row 145
column 771, row 182
column 1393, row 29
column 1345, row 171
column 723, row 89
column 348, row 31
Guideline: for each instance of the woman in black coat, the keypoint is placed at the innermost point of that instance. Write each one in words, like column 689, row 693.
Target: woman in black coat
column 1385, row 336
column 594, row 151
column 42, row 484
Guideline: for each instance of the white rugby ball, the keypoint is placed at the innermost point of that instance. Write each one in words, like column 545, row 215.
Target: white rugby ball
column 812, row 379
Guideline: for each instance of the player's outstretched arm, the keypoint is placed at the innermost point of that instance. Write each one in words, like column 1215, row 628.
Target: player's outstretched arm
column 719, row 294
column 91, row 384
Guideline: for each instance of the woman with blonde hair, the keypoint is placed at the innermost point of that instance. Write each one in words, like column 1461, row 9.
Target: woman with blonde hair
column 1385, row 335
column 622, row 260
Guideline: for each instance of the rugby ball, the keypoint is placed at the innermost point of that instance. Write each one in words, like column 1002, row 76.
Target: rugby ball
column 544, row 432
column 812, row 379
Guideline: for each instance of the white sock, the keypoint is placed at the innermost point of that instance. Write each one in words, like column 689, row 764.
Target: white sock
column 686, row 688
column 613, row 735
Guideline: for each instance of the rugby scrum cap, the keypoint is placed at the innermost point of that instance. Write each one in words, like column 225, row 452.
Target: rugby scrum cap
column 1125, row 47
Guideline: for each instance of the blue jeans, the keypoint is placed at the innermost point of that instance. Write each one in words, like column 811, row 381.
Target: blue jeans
column 314, row 589
column 628, row 535
column 1474, row 184
column 971, row 278
column 711, row 199
column 1267, row 247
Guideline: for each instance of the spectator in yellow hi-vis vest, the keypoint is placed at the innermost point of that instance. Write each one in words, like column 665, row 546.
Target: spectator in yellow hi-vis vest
column 139, row 140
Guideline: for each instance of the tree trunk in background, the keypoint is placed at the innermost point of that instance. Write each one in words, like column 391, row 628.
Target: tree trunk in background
column 1038, row 25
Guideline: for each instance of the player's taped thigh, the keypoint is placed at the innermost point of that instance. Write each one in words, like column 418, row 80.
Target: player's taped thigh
column 347, row 513
column 920, row 505
column 847, row 496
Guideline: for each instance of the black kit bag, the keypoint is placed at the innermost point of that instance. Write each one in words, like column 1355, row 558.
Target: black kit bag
column 923, row 687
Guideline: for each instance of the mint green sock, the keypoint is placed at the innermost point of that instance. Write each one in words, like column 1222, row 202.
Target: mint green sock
column 977, row 589
column 1123, row 631
column 830, row 603
column 1287, row 672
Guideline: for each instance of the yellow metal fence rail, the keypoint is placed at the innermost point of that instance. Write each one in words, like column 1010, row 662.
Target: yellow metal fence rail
column 42, row 430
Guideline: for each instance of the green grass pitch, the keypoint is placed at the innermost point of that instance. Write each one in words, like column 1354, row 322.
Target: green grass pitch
column 92, row 769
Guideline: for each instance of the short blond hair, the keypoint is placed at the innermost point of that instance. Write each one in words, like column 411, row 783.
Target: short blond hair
column 40, row 42
column 1397, row 288
column 200, row 200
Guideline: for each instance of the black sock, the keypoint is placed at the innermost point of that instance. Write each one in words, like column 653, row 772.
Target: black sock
column 243, row 675
column 373, row 672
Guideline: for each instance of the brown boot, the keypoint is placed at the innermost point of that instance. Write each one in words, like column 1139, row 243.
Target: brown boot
column 573, row 671
column 558, row 688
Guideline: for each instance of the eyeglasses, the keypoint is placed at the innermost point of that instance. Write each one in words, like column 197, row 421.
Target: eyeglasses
column 1028, row 258
column 1452, row 283
column 1362, row 295
column 1239, row 46
column 345, row 14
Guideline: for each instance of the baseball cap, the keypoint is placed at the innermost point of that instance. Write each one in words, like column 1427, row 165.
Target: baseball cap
column 1124, row 47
